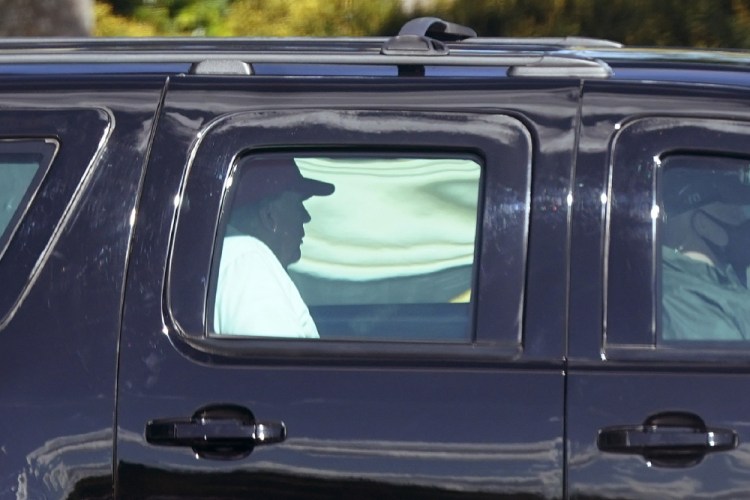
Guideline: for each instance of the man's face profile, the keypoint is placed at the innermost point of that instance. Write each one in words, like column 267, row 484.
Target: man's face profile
column 289, row 216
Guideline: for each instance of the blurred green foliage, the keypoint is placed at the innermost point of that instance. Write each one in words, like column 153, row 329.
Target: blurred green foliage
column 697, row 23
column 694, row 23
column 310, row 17
column 248, row 17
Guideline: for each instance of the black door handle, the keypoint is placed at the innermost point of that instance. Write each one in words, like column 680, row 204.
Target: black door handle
column 224, row 432
column 670, row 439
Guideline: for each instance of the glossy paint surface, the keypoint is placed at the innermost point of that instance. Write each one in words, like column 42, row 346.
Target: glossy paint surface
column 564, row 346
column 617, row 375
column 62, row 287
column 435, row 424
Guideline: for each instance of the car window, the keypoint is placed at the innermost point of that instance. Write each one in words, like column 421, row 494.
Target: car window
column 415, row 246
column 704, row 237
column 22, row 166
column 676, row 288
column 348, row 246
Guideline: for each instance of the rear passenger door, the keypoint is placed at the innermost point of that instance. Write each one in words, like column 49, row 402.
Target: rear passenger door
column 72, row 153
column 658, row 370
column 434, row 274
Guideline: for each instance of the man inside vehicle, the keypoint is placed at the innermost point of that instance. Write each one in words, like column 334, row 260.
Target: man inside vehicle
column 705, row 255
column 254, row 294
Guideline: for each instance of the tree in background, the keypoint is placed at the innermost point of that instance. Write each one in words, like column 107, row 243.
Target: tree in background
column 108, row 23
column 311, row 17
column 160, row 17
column 696, row 23
column 250, row 17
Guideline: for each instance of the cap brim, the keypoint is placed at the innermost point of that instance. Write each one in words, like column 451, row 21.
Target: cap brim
column 311, row 187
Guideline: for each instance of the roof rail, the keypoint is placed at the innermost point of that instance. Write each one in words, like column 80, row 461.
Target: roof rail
column 444, row 31
column 241, row 62
column 436, row 28
column 567, row 42
column 413, row 45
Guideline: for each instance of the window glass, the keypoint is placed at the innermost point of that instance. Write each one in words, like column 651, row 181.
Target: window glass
column 348, row 247
column 21, row 168
column 705, row 249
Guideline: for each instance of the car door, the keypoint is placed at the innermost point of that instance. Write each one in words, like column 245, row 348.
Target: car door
column 658, row 381
column 71, row 158
column 434, row 273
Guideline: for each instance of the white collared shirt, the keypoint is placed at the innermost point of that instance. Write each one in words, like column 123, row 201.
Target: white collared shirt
column 255, row 296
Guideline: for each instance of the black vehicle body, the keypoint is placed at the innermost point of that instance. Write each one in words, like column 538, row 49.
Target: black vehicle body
column 103, row 315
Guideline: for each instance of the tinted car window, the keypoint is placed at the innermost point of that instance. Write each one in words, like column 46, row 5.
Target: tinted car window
column 705, row 248
column 355, row 246
column 679, row 192
column 396, row 304
column 22, row 166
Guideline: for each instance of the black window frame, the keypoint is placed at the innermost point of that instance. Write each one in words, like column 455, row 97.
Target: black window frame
column 81, row 135
column 502, row 142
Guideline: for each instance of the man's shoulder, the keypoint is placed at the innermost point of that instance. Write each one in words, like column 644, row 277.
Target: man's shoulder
column 243, row 242
column 249, row 248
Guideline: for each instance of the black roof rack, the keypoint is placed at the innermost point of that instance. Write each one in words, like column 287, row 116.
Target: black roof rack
column 425, row 37
column 444, row 31
column 437, row 29
column 234, row 60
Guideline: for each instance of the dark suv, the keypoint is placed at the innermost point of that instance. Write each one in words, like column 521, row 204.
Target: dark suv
column 429, row 266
